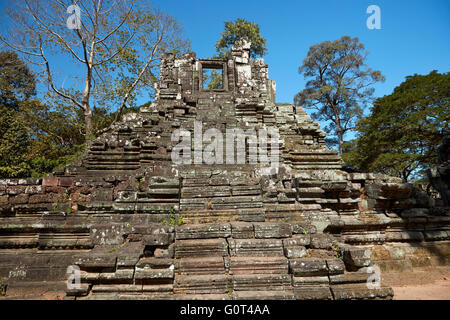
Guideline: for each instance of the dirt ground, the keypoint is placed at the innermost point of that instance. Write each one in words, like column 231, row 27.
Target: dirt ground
column 421, row 284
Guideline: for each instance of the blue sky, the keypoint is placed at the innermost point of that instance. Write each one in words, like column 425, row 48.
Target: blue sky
column 414, row 35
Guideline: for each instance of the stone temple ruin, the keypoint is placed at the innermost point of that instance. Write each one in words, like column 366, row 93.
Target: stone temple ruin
column 138, row 226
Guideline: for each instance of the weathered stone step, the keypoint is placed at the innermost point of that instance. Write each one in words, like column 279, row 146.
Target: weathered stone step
column 112, row 167
column 150, row 273
column 128, row 296
column 264, row 282
column 206, row 191
column 154, row 263
column 264, row 295
column 349, row 277
column 236, row 202
column 195, row 284
column 109, row 154
column 315, row 267
column 200, row 248
column 272, row 230
column 258, row 265
column 113, row 162
column 203, row 231
column 316, row 166
column 134, row 288
column 360, row 291
column 256, row 247
column 313, row 292
column 210, row 216
column 121, row 276
column 161, row 191
column 200, row 266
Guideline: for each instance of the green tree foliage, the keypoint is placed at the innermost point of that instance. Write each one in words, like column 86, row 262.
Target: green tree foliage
column 34, row 138
column 16, row 88
column 234, row 30
column 14, row 142
column 338, row 85
column 17, row 82
column 241, row 28
column 213, row 80
column 404, row 128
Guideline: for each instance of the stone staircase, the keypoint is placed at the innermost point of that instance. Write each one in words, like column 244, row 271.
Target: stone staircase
column 235, row 260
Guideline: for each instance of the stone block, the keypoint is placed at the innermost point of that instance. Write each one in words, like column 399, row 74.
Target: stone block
column 356, row 257
column 308, row 267
column 161, row 239
column 297, row 240
column 256, row 247
column 258, row 265
column 335, row 266
column 250, row 282
column 50, row 181
column 203, row 248
column 295, row 252
column 272, row 230
column 321, row 241
column 242, row 230
column 203, row 284
column 203, row 231
column 147, row 273
column 200, row 266
column 321, row 292
column 360, row 291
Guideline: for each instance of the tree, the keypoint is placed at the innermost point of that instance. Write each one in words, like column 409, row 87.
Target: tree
column 401, row 135
column 241, row 28
column 14, row 138
column 17, row 82
column 17, row 86
column 235, row 30
column 339, row 85
column 110, row 49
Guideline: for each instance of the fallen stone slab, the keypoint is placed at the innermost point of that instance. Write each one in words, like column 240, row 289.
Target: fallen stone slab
column 360, row 291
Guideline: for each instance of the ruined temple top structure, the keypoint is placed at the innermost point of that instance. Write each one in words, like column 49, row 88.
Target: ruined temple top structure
column 245, row 100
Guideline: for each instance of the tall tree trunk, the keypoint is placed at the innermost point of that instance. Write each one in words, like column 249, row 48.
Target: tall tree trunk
column 88, row 122
column 339, row 130
column 86, row 107
column 86, row 96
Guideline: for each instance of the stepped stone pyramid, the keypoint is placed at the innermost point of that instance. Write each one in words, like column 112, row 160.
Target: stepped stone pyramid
column 138, row 225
